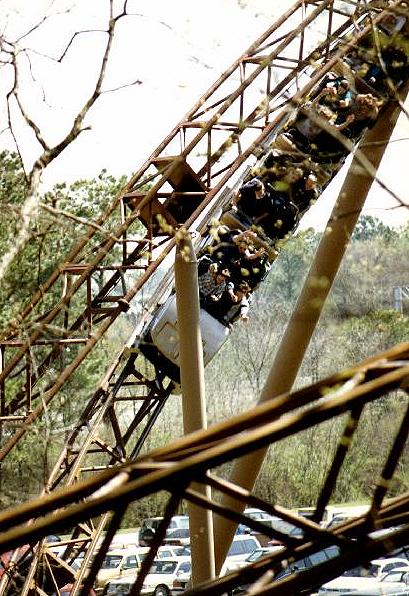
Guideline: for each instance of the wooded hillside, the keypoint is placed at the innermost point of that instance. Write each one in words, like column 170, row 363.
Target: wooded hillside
column 359, row 320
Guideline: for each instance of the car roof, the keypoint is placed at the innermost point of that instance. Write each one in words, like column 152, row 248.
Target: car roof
column 131, row 578
column 175, row 559
column 390, row 560
column 135, row 550
column 184, row 516
column 403, row 568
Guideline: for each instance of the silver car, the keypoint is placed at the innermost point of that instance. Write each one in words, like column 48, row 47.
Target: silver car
column 394, row 583
column 391, row 582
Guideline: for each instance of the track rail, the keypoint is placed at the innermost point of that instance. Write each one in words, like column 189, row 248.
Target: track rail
column 194, row 458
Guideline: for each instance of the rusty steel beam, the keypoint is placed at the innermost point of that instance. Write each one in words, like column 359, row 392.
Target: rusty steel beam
column 191, row 456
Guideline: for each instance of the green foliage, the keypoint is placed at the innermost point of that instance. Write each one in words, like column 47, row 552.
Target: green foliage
column 359, row 337
column 52, row 235
column 288, row 271
column 368, row 228
column 357, row 322
column 371, row 268
column 12, row 181
column 62, row 219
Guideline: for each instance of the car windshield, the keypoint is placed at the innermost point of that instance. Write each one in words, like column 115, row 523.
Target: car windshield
column 184, row 568
column 111, row 562
column 257, row 514
column 178, row 533
column 257, row 554
column 163, row 566
column 371, row 571
column 296, row 532
column 282, row 526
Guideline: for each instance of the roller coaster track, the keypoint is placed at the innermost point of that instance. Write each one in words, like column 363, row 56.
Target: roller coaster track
column 195, row 457
column 184, row 183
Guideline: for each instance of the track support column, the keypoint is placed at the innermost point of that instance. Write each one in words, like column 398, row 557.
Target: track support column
column 193, row 398
column 311, row 301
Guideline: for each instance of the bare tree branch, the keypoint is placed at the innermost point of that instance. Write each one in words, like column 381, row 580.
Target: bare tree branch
column 45, row 18
column 11, row 55
column 81, row 220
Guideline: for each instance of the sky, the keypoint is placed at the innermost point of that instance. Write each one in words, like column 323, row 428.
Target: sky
column 177, row 50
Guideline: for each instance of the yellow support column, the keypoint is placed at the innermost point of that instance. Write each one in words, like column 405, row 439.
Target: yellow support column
column 193, row 398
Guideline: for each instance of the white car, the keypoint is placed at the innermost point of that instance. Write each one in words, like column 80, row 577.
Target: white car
column 177, row 537
column 257, row 514
column 241, row 547
column 258, row 553
column 119, row 563
column 163, row 574
column 393, row 584
column 362, row 578
column 170, row 551
column 166, row 577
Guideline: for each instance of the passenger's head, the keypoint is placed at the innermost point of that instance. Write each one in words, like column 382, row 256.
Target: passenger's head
column 243, row 247
column 260, row 189
column 243, row 289
column 368, row 104
column 222, row 230
column 293, row 174
column 343, row 86
column 222, row 276
column 311, row 181
column 366, row 99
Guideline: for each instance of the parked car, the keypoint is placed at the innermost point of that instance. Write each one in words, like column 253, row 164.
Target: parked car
column 257, row 514
column 176, row 551
column 241, row 547
column 119, row 587
column 362, row 577
column 169, row 551
column 118, row 563
column 272, row 521
column 163, row 579
column 125, row 539
column 258, row 553
column 180, row 551
column 19, row 553
column 52, row 538
column 67, row 589
column 393, row 584
column 340, row 515
column 151, row 524
column 177, row 537
column 298, row 566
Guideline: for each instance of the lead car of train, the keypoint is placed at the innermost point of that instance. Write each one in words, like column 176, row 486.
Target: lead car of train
column 299, row 164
